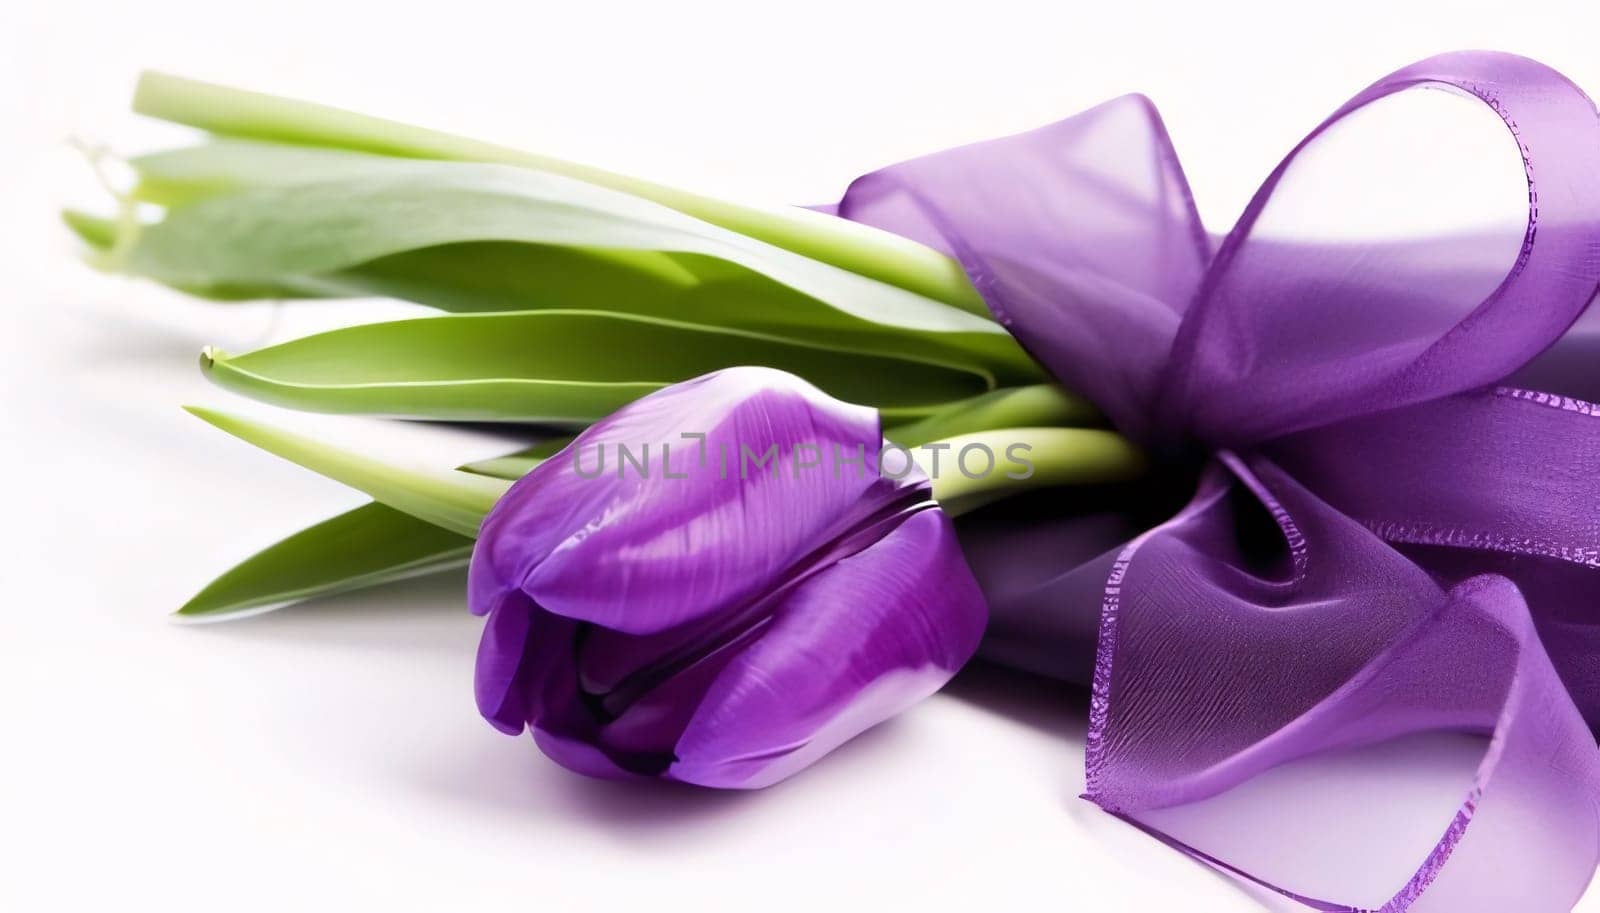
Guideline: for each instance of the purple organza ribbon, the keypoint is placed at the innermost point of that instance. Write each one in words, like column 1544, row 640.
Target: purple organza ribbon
column 1385, row 540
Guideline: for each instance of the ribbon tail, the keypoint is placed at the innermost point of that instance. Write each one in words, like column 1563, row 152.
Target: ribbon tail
column 1504, row 481
column 1224, row 670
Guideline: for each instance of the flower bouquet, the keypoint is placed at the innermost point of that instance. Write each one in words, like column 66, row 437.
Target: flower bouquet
column 787, row 471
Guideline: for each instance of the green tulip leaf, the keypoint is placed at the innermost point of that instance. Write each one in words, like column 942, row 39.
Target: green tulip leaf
column 569, row 367
column 468, row 236
column 367, row 546
column 456, row 501
column 514, row 466
column 235, row 113
column 364, row 547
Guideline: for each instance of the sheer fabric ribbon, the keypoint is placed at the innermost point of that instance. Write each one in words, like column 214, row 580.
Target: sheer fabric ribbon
column 1390, row 536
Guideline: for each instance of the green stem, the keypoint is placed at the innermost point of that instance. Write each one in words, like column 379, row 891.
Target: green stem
column 1033, row 406
column 1058, row 456
column 458, row 501
column 840, row 242
column 412, row 528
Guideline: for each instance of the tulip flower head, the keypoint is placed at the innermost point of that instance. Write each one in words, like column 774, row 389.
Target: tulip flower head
column 717, row 585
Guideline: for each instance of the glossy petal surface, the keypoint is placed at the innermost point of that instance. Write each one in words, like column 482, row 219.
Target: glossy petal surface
column 724, row 615
column 852, row 645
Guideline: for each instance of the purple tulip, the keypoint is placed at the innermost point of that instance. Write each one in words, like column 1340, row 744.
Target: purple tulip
column 720, row 610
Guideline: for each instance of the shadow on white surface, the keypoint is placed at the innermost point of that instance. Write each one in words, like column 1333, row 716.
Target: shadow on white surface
column 1060, row 711
column 423, row 625
column 1051, row 707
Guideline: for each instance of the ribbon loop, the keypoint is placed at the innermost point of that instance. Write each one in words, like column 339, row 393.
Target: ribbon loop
column 1340, row 643
column 1081, row 236
column 1283, row 337
column 1295, row 607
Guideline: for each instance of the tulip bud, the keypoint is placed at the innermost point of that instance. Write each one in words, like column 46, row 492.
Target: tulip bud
column 717, row 585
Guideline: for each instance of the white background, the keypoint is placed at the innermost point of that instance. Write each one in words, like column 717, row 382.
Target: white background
column 330, row 756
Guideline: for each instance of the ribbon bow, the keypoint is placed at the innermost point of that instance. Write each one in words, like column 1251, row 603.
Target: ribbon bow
column 1382, row 543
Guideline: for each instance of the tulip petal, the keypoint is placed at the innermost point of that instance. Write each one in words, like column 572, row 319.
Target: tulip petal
column 703, row 540
column 526, row 679
column 846, row 649
column 501, row 693
column 713, row 624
